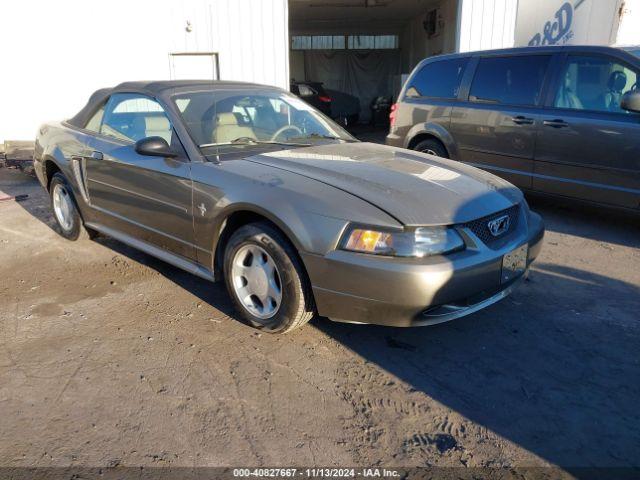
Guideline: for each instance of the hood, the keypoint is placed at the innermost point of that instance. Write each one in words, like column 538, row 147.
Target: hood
column 414, row 188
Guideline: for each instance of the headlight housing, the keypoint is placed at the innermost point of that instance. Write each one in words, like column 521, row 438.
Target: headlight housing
column 418, row 242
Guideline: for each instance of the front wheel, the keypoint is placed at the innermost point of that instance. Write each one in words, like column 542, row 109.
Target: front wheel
column 266, row 280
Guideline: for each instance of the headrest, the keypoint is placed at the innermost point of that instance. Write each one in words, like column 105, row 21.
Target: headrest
column 227, row 118
column 156, row 123
column 617, row 81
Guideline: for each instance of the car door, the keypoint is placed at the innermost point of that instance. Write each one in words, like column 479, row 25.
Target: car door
column 588, row 147
column 495, row 124
column 146, row 197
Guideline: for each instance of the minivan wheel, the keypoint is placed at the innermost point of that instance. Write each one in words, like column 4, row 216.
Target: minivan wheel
column 266, row 280
column 432, row 147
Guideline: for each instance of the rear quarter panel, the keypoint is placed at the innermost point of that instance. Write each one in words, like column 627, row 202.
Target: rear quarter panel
column 58, row 144
column 415, row 117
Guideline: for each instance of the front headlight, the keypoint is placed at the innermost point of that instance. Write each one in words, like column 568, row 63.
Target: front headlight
column 417, row 242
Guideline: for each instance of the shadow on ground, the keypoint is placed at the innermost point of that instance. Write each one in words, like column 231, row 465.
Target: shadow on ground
column 602, row 224
column 561, row 379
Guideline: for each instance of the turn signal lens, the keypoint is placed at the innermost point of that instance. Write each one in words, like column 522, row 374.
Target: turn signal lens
column 367, row 240
column 324, row 99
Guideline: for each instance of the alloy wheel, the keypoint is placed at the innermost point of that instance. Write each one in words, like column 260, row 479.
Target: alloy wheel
column 256, row 281
column 63, row 206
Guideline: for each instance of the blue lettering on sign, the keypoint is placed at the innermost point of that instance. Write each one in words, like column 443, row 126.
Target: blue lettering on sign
column 556, row 29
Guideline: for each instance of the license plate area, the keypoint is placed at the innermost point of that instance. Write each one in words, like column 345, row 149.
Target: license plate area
column 514, row 263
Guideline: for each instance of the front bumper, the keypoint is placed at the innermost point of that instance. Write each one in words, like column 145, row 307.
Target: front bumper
column 360, row 288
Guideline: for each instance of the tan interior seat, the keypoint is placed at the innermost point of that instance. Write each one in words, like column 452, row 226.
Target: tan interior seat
column 158, row 127
column 227, row 129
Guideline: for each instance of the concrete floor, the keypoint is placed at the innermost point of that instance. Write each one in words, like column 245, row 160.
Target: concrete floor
column 110, row 357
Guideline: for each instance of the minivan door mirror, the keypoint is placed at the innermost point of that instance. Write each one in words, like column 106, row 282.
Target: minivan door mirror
column 154, row 147
column 631, row 101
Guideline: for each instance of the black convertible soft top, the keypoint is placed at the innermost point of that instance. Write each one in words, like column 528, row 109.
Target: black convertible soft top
column 152, row 88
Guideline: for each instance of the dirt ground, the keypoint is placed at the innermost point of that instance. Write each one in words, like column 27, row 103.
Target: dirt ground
column 110, row 357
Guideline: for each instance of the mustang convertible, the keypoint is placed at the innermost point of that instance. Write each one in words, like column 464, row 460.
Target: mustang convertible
column 249, row 184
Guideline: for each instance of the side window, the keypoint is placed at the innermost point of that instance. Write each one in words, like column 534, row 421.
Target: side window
column 132, row 117
column 513, row 80
column 182, row 104
column 594, row 83
column 94, row 122
column 439, row 79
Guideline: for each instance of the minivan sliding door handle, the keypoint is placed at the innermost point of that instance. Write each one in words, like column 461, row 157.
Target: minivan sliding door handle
column 557, row 123
column 521, row 120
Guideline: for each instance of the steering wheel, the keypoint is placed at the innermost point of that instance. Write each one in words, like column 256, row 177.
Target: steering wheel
column 286, row 128
column 244, row 139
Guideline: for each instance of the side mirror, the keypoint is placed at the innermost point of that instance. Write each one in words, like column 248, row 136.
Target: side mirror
column 154, row 147
column 631, row 101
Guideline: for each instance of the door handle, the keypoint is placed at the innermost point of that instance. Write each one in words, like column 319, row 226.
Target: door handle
column 521, row 120
column 96, row 155
column 557, row 123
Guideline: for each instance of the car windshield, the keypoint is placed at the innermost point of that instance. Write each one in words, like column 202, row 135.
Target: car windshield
column 232, row 118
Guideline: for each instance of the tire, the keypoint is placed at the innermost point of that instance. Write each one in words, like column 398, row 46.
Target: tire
column 244, row 253
column 69, row 223
column 432, row 147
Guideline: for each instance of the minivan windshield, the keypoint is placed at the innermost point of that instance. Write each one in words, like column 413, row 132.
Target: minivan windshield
column 233, row 117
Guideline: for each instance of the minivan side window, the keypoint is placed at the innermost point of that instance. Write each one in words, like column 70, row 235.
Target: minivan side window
column 440, row 79
column 514, row 80
column 594, row 83
column 132, row 117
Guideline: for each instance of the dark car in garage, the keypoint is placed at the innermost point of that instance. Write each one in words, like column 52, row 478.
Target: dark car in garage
column 314, row 94
column 345, row 108
column 557, row 120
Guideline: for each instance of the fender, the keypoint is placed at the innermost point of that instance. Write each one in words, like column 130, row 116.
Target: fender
column 300, row 207
column 435, row 130
column 224, row 215
column 321, row 233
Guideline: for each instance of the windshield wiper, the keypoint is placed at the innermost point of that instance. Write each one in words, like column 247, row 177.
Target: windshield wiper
column 328, row 137
column 252, row 141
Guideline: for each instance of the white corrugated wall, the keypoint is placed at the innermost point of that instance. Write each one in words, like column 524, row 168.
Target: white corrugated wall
column 56, row 53
column 486, row 24
column 251, row 36
column 629, row 29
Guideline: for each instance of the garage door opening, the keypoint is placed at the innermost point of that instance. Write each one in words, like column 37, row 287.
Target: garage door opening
column 363, row 50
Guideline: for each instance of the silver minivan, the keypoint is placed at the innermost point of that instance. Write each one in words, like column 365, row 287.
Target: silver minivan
column 556, row 120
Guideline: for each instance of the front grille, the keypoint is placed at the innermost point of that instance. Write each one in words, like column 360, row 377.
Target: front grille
column 481, row 230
